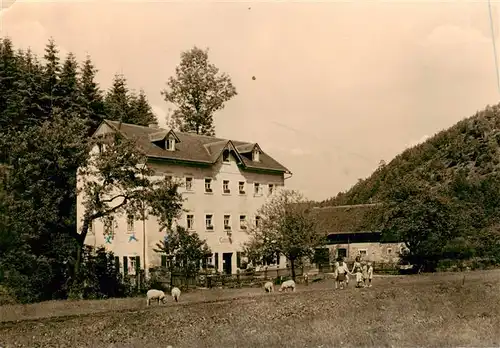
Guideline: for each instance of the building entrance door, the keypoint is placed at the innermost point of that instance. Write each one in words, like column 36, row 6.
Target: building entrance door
column 227, row 259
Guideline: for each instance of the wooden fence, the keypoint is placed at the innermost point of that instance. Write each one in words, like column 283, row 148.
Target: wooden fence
column 166, row 280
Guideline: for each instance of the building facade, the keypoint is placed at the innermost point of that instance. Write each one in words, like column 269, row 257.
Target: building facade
column 351, row 232
column 224, row 183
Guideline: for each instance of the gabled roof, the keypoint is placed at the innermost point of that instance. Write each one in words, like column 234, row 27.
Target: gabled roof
column 347, row 218
column 192, row 147
column 246, row 148
column 162, row 135
column 215, row 150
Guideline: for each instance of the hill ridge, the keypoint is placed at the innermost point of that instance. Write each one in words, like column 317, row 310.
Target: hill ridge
column 471, row 147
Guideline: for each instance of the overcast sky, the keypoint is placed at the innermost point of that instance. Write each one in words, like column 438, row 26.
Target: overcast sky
column 339, row 86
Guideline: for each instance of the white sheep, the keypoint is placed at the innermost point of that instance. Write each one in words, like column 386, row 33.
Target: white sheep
column 289, row 284
column 154, row 294
column 176, row 293
column 269, row 287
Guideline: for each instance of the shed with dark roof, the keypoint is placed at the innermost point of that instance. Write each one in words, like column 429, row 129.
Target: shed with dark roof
column 349, row 223
column 353, row 230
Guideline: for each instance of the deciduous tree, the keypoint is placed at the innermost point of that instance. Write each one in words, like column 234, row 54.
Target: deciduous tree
column 421, row 217
column 287, row 226
column 185, row 249
column 198, row 91
column 116, row 180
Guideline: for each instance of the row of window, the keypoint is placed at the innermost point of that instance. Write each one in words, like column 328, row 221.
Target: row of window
column 109, row 223
column 258, row 188
column 227, row 222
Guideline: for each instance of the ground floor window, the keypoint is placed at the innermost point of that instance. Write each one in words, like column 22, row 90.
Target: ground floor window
column 341, row 252
column 131, row 264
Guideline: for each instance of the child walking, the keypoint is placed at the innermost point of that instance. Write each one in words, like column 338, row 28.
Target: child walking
column 356, row 267
column 370, row 274
column 341, row 275
column 359, row 278
column 336, row 272
column 364, row 271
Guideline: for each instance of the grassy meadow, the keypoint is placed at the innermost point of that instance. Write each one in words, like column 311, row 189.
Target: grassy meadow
column 437, row 310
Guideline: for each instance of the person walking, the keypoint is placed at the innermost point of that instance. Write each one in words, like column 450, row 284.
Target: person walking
column 341, row 275
column 336, row 266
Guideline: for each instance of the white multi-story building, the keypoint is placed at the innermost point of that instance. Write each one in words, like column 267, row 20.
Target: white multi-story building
column 225, row 183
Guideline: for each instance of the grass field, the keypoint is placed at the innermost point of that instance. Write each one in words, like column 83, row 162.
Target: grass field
column 439, row 310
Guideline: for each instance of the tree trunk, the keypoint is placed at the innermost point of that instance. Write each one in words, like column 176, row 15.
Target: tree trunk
column 80, row 238
column 78, row 261
column 292, row 266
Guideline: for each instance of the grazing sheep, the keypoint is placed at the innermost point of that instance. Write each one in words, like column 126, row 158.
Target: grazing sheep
column 176, row 293
column 269, row 287
column 154, row 294
column 289, row 284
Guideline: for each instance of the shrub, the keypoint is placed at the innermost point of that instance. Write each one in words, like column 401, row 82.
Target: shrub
column 99, row 276
column 157, row 281
column 6, row 297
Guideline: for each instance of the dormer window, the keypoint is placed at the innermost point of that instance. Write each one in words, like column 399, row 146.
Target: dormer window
column 170, row 144
column 256, row 155
column 225, row 156
column 164, row 139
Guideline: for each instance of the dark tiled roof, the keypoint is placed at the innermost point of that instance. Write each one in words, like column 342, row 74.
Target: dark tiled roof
column 157, row 136
column 245, row 148
column 347, row 218
column 192, row 147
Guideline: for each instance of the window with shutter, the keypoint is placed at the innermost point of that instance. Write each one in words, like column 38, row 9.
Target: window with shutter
column 117, row 263
column 164, row 260
column 216, row 266
column 125, row 266
column 137, row 264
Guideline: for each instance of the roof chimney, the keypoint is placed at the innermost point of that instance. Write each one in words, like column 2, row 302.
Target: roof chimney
column 153, row 125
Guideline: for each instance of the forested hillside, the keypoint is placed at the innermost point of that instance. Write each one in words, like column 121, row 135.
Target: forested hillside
column 470, row 147
column 440, row 197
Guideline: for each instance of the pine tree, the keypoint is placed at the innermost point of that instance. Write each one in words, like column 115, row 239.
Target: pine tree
column 8, row 76
column 117, row 100
column 52, row 69
column 92, row 99
column 25, row 106
column 67, row 88
column 140, row 111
